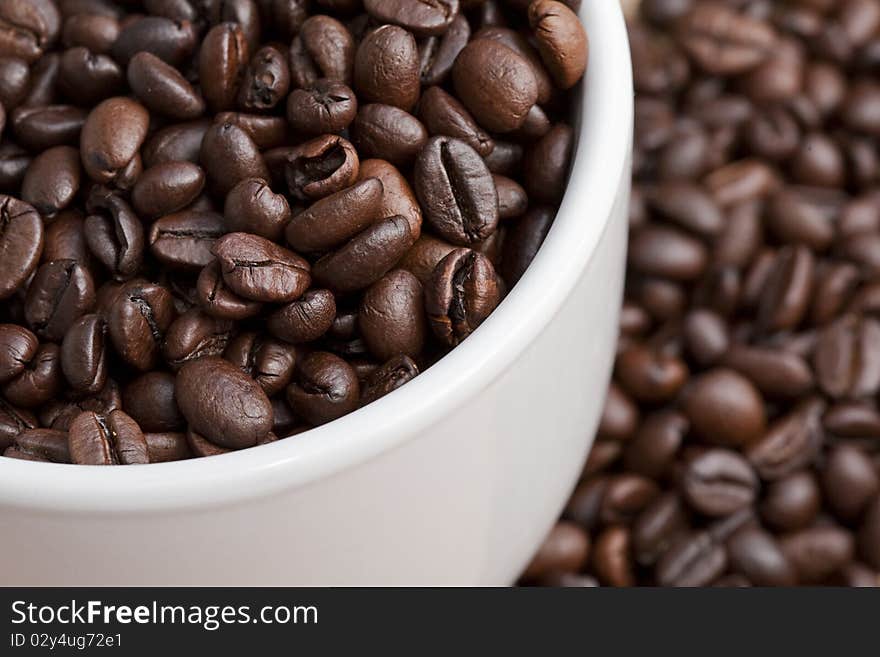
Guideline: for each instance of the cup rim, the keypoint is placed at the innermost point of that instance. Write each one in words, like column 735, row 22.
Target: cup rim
column 603, row 141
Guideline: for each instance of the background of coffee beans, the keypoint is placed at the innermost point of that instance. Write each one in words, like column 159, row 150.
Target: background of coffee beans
column 740, row 442
column 228, row 221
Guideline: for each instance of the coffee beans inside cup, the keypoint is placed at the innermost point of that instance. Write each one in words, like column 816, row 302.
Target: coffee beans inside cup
column 740, row 442
column 224, row 223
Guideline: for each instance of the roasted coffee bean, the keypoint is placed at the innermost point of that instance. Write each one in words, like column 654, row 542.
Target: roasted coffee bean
column 304, row 320
column 320, row 167
column 21, row 244
column 656, row 444
column 388, row 378
column 162, row 89
column 13, row 421
column 111, row 137
column 523, row 240
column 324, row 48
column 218, row 300
column 325, row 388
column 725, row 409
column 266, row 80
column 817, row 552
column 179, row 142
column 660, row 251
column 694, row 559
column 847, row 358
column 869, row 535
column 656, row 526
column 18, row 346
column 366, row 257
column 561, row 40
column 170, row 41
column 112, row 439
column 791, row 503
column 252, row 207
column 44, row 444
column 777, row 374
column 229, row 155
column 391, row 318
column 84, row 354
column 15, row 81
column 14, row 162
column 649, row 375
column 40, row 380
column 756, row 554
column 332, row 220
column 255, row 268
column 719, row 482
column 495, row 83
column 184, row 240
column 167, row 187
column 389, row 133
column 222, row 403
column 626, row 495
column 620, row 416
column 442, row 114
column 850, row 482
column 52, row 180
column 456, row 191
column 566, row 548
column 437, row 53
column 423, row 19
column 96, row 32
column 706, row 336
column 266, row 131
column 790, row 443
column 546, row 164
column 167, row 446
column 611, row 557
column 322, row 107
column 150, row 400
column 463, row 290
column 87, row 78
column 60, row 292
column 194, row 335
column 269, row 362
column 386, row 68
column 723, row 42
column 114, row 233
column 137, row 322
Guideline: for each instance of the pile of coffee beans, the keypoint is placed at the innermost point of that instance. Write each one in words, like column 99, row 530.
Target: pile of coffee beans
column 740, row 442
column 227, row 221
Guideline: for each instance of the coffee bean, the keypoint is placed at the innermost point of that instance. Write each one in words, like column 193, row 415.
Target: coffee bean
column 150, row 400
column 269, row 362
column 266, row 131
column 162, row 89
column 167, row 446
column 442, row 114
column 324, row 48
column 52, row 180
column 620, row 416
column 437, row 53
column 112, row 439
column 179, row 142
column 869, row 535
column 84, row 354
column 21, row 243
column 13, row 421
column 137, row 322
column 60, row 292
column 719, row 482
column 323, row 107
column 229, row 155
column 660, row 251
column 170, row 41
column 114, row 233
column 388, row 378
column 756, row 554
column 252, row 207
column 391, row 317
column 386, row 68
column 463, row 290
column 656, row 444
column 320, row 167
column 723, row 42
column 304, row 320
column 625, row 497
column 44, row 445
column 218, row 300
column 111, row 137
column 847, row 358
column 222, row 403
column 561, row 40
column 266, row 80
column 167, row 187
column 39, row 382
column 255, row 268
column 790, row 443
column 194, row 335
column 656, row 527
column 817, row 552
column 611, row 557
column 775, row 373
column 566, row 548
column 546, row 163
column 389, row 133
column 850, row 482
column 423, row 19
column 88, row 78
column 325, row 388
column 96, row 32
column 184, row 240
column 523, row 240
column 649, row 375
column 792, row 502
column 694, row 559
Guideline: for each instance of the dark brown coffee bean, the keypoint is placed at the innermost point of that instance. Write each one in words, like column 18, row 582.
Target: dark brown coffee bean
column 786, row 293
column 194, row 335
column 60, row 292
column 323, row 107
column 21, row 243
column 112, row 439
column 27, row 28
column 796, row 221
column 14, row 162
column 184, row 240
column 833, row 290
column 620, row 416
column 649, row 375
column 442, row 114
column 223, row 59
column 741, row 181
column 386, row 68
column 847, row 358
column 114, row 233
column 150, row 400
column 546, row 163
column 388, row 378
column 817, row 552
column 626, row 495
column 706, row 336
column 320, row 167
column 332, row 220
column 756, row 554
column 84, row 354
column 18, row 346
column 218, row 300
column 304, row 320
column 391, row 317
column 462, row 292
column 324, row 48
column 660, row 251
column 850, row 482
column 111, row 138
column 719, row 482
column 656, row 444
column 180, row 142
column 389, row 133
column 611, row 560
column 52, row 180
column 694, row 559
column 13, row 421
column 456, row 190
column 421, row 18
column 326, row 387
column 40, row 381
column 775, row 373
column 44, row 444
column 723, row 42
column 656, row 527
column 255, row 268
column 167, row 446
column 266, row 80
column 437, row 53
column 566, row 548
column 852, row 420
column 87, row 78
column 161, row 88
column 222, row 403
column 167, row 187
column 266, row 131
column 137, row 322
column 523, row 240
column 561, row 40
column 869, row 535
column 791, row 503
column 495, row 83
column 96, row 32
column 725, row 409
column 790, row 443
column 170, row 41
column 366, row 257
column 269, row 362
column 229, row 155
